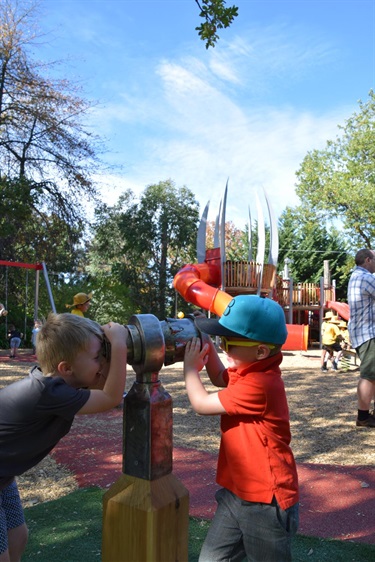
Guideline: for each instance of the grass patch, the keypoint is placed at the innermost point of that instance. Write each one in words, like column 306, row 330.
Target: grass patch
column 69, row 530
column 66, row 530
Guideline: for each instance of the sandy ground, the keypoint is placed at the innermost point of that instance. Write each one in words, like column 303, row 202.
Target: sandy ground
column 322, row 411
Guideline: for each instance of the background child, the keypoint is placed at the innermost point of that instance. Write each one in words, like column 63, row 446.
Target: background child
column 35, row 330
column 15, row 337
column 345, row 346
column 325, row 355
column 343, row 327
column 81, row 304
column 37, row 411
column 257, row 512
column 331, row 341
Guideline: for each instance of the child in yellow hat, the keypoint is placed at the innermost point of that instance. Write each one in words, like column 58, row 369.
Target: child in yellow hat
column 81, row 304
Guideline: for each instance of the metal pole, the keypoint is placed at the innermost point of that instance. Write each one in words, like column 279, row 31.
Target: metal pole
column 321, row 310
column 52, row 302
column 26, row 303
column 290, row 321
column 36, row 299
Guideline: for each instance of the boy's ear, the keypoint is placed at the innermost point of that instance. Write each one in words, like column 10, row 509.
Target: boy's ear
column 64, row 369
column 263, row 352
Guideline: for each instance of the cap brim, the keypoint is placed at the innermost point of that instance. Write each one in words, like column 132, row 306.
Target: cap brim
column 212, row 327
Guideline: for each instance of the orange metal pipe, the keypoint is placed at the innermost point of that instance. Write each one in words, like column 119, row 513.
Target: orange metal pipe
column 298, row 337
column 197, row 284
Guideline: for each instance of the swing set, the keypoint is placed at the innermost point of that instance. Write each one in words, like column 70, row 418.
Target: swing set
column 38, row 267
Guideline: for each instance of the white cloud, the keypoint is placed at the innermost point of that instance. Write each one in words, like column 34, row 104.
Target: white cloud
column 202, row 120
column 257, row 151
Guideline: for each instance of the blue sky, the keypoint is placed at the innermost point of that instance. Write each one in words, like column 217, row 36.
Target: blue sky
column 276, row 86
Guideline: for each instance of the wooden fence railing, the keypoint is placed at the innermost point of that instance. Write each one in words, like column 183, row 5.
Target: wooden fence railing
column 303, row 294
column 242, row 277
column 246, row 277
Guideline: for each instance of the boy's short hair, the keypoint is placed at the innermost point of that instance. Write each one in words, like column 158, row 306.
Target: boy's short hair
column 61, row 337
column 249, row 316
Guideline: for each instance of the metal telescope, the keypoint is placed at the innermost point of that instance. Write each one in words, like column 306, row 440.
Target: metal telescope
column 153, row 343
column 148, row 427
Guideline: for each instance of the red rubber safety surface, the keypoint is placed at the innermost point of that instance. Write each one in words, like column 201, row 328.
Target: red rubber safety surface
column 336, row 502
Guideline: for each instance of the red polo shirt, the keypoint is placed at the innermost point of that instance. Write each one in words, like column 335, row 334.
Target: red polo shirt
column 255, row 459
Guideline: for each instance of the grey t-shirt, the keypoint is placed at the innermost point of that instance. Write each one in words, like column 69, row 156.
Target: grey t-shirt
column 35, row 413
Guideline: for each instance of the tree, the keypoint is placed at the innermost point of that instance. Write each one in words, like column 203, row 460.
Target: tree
column 42, row 136
column 29, row 234
column 236, row 244
column 151, row 239
column 307, row 243
column 215, row 16
column 27, row 229
column 17, row 202
column 339, row 182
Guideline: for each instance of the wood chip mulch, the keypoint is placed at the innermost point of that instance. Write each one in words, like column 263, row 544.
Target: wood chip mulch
column 322, row 410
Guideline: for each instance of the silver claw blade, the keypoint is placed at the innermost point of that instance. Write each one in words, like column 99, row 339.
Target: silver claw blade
column 273, row 255
column 222, row 235
column 217, row 229
column 250, row 238
column 201, row 236
column 261, row 243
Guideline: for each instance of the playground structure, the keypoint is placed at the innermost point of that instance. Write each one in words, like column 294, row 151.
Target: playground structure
column 214, row 281
column 304, row 304
column 37, row 267
column 308, row 302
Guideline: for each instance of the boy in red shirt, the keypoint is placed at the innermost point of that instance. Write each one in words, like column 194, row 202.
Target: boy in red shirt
column 257, row 513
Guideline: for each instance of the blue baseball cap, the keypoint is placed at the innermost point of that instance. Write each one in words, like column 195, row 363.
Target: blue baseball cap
column 248, row 316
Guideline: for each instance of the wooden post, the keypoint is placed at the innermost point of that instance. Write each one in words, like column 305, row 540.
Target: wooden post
column 146, row 512
column 326, row 274
column 146, row 521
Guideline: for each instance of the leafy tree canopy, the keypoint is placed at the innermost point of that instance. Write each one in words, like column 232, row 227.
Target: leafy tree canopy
column 42, row 134
column 339, row 181
column 142, row 244
column 27, row 227
column 31, row 234
column 307, row 243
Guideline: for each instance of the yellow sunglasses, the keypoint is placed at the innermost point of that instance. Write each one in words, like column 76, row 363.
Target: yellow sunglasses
column 225, row 343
